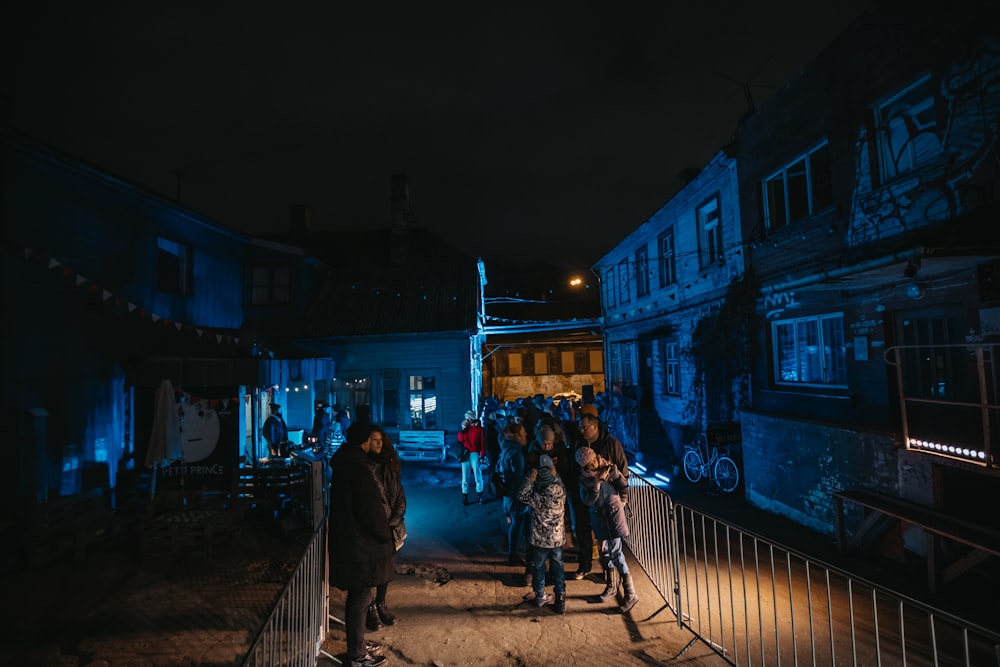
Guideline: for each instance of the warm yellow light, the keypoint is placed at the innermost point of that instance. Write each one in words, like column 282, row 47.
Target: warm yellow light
column 576, row 282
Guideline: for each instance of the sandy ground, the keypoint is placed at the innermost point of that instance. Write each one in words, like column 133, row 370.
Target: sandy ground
column 459, row 603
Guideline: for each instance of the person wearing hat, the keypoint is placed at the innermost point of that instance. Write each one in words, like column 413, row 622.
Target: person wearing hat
column 595, row 436
column 603, row 490
column 542, row 490
column 276, row 433
column 473, row 447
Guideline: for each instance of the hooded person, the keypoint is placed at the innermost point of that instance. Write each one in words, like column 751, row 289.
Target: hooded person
column 544, row 492
column 603, row 489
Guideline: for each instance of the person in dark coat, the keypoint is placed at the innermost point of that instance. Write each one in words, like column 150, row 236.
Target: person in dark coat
column 361, row 544
column 387, row 469
column 276, row 433
column 603, row 488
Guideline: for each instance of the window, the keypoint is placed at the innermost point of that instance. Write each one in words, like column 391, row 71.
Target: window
column 514, row 366
column 668, row 258
column 642, row 271
column 566, row 362
column 671, row 367
column 624, row 289
column 270, row 285
column 174, row 272
column 799, row 189
column 709, row 233
column 623, row 371
column 541, row 363
column 423, row 402
column 609, row 287
column 596, row 361
column 906, row 130
column 810, row 350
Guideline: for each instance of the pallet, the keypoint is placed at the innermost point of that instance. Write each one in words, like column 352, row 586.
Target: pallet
column 421, row 446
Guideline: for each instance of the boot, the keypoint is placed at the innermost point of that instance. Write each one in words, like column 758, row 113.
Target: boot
column 373, row 622
column 560, row 605
column 465, row 499
column 630, row 597
column 611, row 584
column 387, row 617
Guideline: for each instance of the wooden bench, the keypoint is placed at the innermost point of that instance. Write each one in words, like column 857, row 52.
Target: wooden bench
column 67, row 523
column 421, row 446
column 878, row 507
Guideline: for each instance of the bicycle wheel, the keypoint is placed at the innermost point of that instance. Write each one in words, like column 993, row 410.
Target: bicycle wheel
column 692, row 465
column 726, row 474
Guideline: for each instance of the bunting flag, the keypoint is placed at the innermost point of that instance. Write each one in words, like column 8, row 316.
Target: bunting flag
column 192, row 399
column 107, row 296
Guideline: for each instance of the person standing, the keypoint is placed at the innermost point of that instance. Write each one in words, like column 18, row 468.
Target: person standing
column 386, row 466
column 322, row 428
column 544, row 493
column 603, row 488
column 361, row 545
column 595, row 436
column 511, row 467
column 474, row 446
column 276, row 433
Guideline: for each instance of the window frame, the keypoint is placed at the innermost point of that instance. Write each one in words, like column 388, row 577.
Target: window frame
column 642, row 271
column 178, row 278
column 816, row 198
column 899, row 106
column 668, row 258
column 670, row 349
column 624, row 282
column 423, row 394
column 832, row 362
column 708, row 215
column 270, row 285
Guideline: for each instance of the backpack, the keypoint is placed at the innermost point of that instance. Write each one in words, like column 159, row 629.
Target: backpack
column 498, row 481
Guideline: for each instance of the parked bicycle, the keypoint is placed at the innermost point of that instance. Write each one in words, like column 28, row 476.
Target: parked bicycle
column 700, row 461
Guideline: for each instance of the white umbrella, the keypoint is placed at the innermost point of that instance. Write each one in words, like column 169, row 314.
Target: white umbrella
column 165, row 440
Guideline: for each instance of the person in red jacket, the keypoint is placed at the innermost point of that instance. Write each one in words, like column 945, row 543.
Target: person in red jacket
column 474, row 446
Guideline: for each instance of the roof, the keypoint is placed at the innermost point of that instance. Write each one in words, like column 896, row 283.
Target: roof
column 385, row 282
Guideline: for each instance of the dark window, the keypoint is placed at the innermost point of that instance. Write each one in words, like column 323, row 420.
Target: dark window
column 174, row 270
column 798, row 189
column 270, row 285
column 642, row 271
column 668, row 258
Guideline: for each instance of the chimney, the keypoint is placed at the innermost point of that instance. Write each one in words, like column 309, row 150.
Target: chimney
column 300, row 219
column 400, row 205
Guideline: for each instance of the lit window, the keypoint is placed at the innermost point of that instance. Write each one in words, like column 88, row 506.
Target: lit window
column 514, row 363
column 174, row 272
column 798, row 189
column 906, row 129
column 668, row 258
column 810, row 351
column 642, row 271
column 566, row 360
column 709, row 233
column 541, row 363
column 596, row 361
column 423, row 402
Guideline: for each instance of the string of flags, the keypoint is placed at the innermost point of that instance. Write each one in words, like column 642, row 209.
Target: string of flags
column 123, row 305
column 197, row 401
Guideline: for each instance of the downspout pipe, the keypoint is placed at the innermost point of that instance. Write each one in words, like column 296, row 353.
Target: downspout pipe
column 877, row 262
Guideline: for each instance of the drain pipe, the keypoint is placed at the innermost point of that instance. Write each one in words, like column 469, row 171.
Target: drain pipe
column 902, row 256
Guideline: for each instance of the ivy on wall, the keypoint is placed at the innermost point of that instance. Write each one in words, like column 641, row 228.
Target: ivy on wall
column 722, row 349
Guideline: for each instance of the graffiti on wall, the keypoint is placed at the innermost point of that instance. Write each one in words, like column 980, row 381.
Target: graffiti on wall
column 776, row 304
column 927, row 151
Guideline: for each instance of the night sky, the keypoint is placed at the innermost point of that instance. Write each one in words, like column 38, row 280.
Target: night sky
column 540, row 134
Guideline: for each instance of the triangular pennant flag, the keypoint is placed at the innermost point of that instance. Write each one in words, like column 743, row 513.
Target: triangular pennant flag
column 178, row 325
column 27, row 253
column 80, row 280
column 218, row 338
column 53, row 263
column 236, row 340
column 154, row 317
column 131, row 306
column 105, row 295
column 200, row 332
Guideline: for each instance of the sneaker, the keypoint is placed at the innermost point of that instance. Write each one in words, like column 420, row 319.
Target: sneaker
column 374, row 648
column 369, row 660
column 581, row 573
column 544, row 599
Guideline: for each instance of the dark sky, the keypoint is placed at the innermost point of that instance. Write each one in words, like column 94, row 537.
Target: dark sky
column 544, row 133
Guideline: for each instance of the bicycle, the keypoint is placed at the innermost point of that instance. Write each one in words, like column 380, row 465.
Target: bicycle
column 721, row 469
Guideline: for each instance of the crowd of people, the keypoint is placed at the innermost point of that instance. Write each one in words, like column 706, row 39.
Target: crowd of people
column 563, row 480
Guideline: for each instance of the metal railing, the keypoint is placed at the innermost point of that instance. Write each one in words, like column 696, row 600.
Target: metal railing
column 296, row 627
column 755, row 602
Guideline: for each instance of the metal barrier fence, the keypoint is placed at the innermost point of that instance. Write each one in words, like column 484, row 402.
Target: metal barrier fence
column 296, row 628
column 755, row 602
